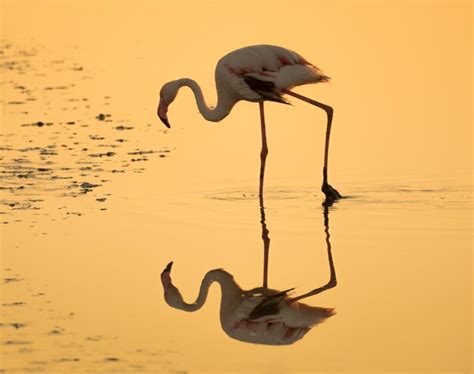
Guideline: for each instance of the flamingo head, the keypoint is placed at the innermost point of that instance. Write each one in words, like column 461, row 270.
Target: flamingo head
column 167, row 95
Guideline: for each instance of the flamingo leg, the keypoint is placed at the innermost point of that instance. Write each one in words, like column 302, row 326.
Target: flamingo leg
column 331, row 193
column 264, row 151
column 263, row 158
column 332, row 277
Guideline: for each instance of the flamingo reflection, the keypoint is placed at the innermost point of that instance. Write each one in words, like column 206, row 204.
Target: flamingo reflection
column 260, row 315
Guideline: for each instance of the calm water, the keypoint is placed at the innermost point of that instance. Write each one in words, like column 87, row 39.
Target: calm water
column 97, row 197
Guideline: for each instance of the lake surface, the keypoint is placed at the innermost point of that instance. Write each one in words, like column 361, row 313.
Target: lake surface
column 97, row 197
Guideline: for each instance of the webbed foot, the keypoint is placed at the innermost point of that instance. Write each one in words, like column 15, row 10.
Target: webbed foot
column 331, row 194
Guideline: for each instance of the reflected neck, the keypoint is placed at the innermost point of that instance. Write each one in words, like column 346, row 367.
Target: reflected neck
column 229, row 290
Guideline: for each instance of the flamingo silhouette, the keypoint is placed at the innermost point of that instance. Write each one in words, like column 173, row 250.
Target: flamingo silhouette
column 260, row 315
column 257, row 73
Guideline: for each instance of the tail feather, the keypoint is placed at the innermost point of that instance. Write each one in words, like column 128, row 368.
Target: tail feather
column 324, row 78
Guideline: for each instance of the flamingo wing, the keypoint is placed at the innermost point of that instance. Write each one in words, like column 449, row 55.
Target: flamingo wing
column 265, row 88
column 261, row 72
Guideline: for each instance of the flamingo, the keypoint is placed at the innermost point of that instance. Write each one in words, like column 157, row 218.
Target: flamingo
column 261, row 315
column 256, row 73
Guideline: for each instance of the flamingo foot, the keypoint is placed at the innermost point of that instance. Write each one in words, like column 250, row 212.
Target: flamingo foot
column 331, row 194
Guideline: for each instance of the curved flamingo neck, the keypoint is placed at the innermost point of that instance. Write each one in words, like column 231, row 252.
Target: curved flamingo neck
column 229, row 289
column 224, row 102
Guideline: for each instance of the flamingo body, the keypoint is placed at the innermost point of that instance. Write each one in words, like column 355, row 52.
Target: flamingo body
column 279, row 67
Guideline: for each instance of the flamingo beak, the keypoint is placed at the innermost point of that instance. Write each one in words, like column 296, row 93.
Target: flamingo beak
column 165, row 121
column 162, row 110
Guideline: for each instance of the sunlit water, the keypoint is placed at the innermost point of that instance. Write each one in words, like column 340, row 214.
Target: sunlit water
column 96, row 199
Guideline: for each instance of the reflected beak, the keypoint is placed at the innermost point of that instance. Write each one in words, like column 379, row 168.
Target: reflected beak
column 167, row 269
column 166, row 277
column 162, row 110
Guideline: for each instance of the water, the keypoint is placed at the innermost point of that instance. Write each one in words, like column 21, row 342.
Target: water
column 97, row 197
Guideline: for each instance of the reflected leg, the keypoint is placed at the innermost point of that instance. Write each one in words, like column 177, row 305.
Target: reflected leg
column 266, row 243
column 332, row 277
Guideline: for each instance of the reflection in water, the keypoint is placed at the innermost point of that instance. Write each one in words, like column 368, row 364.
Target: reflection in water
column 260, row 315
column 266, row 242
